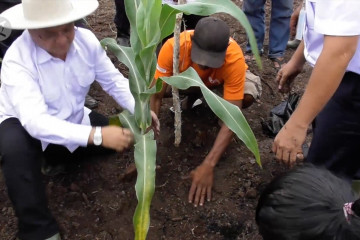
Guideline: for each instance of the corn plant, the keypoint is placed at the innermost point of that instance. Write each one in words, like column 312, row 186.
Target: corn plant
column 150, row 22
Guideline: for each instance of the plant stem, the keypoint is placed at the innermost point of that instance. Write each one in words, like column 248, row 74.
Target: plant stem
column 175, row 91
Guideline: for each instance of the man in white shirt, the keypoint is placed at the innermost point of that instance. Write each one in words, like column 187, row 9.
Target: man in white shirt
column 331, row 45
column 46, row 74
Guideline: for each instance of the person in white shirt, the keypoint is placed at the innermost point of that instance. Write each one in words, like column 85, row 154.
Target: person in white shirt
column 46, row 74
column 331, row 45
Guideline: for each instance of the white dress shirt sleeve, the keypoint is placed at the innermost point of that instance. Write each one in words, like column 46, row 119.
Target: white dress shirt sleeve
column 337, row 17
column 111, row 80
column 27, row 102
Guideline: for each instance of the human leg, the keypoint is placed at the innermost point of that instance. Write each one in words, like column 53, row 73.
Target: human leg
column 279, row 31
column 122, row 23
column 58, row 159
column 252, row 89
column 255, row 12
column 21, row 165
column 82, row 153
column 336, row 136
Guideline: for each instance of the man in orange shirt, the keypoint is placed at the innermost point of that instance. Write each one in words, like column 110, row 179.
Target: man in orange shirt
column 219, row 61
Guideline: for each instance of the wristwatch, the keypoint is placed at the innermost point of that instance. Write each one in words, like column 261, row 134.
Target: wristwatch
column 97, row 136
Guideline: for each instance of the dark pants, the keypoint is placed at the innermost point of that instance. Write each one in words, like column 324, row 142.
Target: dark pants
column 121, row 21
column 336, row 138
column 21, row 166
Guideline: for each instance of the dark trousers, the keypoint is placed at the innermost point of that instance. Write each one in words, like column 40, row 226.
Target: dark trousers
column 121, row 21
column 336, row 138
column 21, row 166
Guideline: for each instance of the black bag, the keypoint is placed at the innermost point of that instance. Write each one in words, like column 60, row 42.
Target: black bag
column 279, row 115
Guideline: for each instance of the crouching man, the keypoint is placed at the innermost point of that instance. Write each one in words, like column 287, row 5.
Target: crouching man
column 220, row 62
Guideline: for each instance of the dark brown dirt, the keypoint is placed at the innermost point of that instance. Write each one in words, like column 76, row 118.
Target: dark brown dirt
column 97, row 202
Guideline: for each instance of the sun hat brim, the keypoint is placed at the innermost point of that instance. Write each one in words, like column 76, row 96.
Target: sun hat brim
column 13, row 18
column 207, row 58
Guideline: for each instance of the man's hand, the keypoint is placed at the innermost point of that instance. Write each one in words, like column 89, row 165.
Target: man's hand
column 286, row 76
column 117, row 138
column 155, row 124
column 288, row 142
column 202, row 182
column 294, row 20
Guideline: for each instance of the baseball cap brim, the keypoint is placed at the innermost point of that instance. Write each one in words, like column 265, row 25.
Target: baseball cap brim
column 15, row 19
column 207, row 58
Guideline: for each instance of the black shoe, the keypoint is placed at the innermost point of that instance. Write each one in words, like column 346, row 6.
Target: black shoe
column 52, row 170
column 123, row 40
column 90, row 102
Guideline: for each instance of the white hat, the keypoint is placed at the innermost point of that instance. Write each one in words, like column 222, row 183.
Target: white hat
column 34, row 14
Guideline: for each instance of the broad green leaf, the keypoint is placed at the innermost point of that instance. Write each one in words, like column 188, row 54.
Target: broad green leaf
column 145, row 97
column 142, row 112
column 126, row 56
column 167, row 20
column 230, row 114
column 131, row 7
column 152, row 69
column 148, row 57
column 145, row 160
column 135, row 41
column 155, row 89
column 137, row 83
column 144, row 109
column 127, row 120
column 140, row 65
column 147, row 22
column 141, row 24
column 149, row 33
column 153, row 30
column 208, row 7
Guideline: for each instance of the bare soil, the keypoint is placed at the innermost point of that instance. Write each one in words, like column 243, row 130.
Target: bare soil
column 97, row 200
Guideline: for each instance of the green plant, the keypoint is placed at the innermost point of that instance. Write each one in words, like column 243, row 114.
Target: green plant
column 151, row 22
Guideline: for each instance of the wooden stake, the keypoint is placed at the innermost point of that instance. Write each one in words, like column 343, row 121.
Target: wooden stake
column 175, row 91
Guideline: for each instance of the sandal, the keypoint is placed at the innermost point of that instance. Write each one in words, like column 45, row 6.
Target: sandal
column 278, row 62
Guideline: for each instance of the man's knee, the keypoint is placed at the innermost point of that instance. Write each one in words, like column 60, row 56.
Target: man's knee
column 252, row 89
column 15, row 143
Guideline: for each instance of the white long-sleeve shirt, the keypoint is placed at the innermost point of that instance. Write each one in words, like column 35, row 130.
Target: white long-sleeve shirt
column 47, row 94
column 334, row 18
